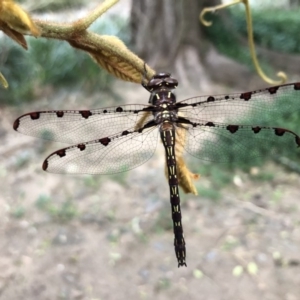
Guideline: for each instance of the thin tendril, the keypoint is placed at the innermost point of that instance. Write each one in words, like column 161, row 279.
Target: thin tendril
column 3, row 81
column 260, row 72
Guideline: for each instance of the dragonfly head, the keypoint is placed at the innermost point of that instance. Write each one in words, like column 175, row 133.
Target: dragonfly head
column 161, row 82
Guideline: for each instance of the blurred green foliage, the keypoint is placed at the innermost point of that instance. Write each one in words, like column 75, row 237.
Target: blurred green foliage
column 218, row 177
column 60, row 212
column 18, row 212
column 273, row 28
column 52, row 5
column 276, row 29
column 56, row 63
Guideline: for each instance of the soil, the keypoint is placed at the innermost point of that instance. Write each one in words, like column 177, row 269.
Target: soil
column 110, row 237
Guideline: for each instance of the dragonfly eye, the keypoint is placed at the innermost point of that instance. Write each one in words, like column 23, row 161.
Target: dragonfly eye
column 162, row 79
column 154, row 83
column 171, row 82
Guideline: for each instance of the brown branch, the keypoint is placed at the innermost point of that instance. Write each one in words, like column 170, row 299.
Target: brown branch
column 109, row 52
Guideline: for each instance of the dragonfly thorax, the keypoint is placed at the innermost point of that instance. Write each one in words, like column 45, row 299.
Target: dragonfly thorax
column 165, row 109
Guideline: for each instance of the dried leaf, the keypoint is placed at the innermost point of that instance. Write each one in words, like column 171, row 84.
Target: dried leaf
column 16, row 18
column 14, row 35
column 185, row 176
column 142, row 120
column 112, row 55
column 108, row 51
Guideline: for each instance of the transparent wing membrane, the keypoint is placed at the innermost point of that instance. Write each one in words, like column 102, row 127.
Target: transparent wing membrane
column 223, row 128
column 248, row 125
column 261, row 105
column 113, row 154
column 76, row 126
column 244, row 141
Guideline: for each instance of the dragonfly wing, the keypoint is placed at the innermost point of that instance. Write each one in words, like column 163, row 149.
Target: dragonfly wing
column 113, row 154
column 209, row 141
column 75, row 126
column 247, row 125
column 262, row 104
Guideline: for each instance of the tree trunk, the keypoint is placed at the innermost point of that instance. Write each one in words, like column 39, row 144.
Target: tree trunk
column 164, row 30
column 160, row 28
column 294, row 3
column 168, row 35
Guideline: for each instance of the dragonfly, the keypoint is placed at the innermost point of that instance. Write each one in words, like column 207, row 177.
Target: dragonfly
column 119, row 138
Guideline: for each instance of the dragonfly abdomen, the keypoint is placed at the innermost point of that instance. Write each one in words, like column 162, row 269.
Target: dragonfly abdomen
column 168, row 138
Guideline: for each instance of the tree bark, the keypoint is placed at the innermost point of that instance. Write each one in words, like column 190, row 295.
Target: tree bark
column 168, row 35
column 294, row 3
column 161, row 27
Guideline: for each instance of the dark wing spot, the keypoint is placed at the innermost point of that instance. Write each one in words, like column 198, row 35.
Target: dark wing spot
column 125, row 132
column 119, row 109
column 61, row 153
column 135, row 111
column 297, row 86
column 105, row 141
column 256, row 129
column 81, row 147
column 246, row 96
column 210, row 124
column 210, row 99
column 16, row 124
column 226, row 97
column 45, row 165
column 279, row 131
column 232, row 128
column 297, row 138
column 273, row 90
column 85, row 113
column 60, row 114
column 34, row 115
column 105, row 111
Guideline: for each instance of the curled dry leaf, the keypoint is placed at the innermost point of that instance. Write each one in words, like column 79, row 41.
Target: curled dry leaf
column 184, row 175
column 14, row 35
column 112, row 55
column 16, row 18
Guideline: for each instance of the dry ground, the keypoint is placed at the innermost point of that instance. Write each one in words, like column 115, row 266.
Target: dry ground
column 109, row 237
